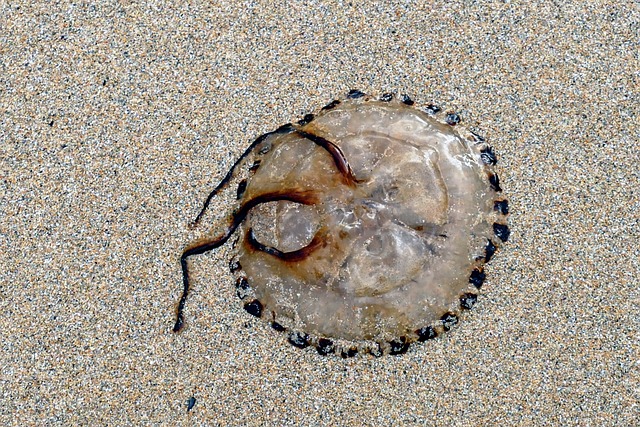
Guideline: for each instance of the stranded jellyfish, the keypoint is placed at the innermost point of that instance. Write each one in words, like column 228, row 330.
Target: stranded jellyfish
column 363, row 228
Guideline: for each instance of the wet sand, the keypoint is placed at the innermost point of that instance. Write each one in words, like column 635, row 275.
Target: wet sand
column 117, row 120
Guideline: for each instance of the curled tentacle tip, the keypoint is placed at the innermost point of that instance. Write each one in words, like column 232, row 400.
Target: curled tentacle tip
column 179, row 325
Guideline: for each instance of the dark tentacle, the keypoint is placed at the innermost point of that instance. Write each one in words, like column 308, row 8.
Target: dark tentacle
column 336, row 153
column 288, row 128
column 293, row 256
column 303, row 197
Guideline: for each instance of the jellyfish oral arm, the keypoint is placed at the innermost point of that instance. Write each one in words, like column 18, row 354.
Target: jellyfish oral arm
column 288, row 128
column 207, row 244
column 336, row 153
column 293, row 256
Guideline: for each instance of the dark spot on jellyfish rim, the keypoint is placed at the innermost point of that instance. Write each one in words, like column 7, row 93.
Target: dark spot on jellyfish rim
column 399, row 346
column 406, row 100
column 308, row 118
column 234, row 221
column 234, row 266
column 242, row 283
column 386, row 97
column 242, row 288
column 242, row 186
column 351, row 352
column 277, row 326
column 448, row 320
column 254, row 308
column 468, row 300
column 191, row 403
column 495, row 182
column 452, row 119
column 477, row 277
column 298, row 339
column 355, row 94
column 501, row 206
column 487, row 154
column 432, row 109
column 489, row 250
column 426, row 333
column 501, row 231
column 325, row 346
column 331, row 105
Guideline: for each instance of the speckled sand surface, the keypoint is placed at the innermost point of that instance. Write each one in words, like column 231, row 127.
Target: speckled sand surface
column 116, row 120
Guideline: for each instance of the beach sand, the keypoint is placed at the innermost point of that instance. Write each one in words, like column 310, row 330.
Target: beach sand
column 116, row 120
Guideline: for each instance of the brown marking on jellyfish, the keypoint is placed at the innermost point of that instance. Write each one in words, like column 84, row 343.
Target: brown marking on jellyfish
column 305, row 197
column 336, row 153
column 282, row 130
column 207, row 244
column 292, row 256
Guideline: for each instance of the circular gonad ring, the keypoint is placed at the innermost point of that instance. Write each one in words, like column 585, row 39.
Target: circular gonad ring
column 363, row 228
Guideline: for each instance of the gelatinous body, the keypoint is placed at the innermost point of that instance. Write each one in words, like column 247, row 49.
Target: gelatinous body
column 365, row 227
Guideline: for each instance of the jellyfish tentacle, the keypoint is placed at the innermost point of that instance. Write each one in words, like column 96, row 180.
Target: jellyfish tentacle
column 292, row 256
column 284, row 129
column 336, row 153
column 207, row 244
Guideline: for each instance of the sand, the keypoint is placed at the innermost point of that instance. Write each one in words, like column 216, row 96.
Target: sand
column 116, row 120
